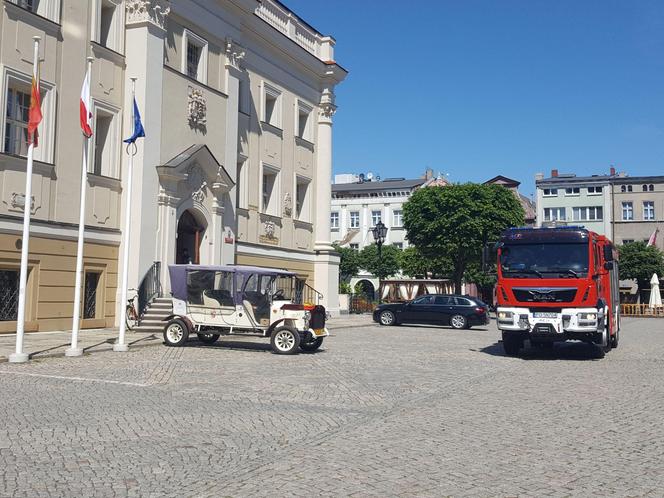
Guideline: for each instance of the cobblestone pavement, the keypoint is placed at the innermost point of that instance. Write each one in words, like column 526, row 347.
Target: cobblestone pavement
column 401, row 411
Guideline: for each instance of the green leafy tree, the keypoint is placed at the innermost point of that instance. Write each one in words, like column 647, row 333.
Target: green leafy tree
column 416, row 265
column 639, row 261
column 386, row 266
column 349, row 264
column 455, row 222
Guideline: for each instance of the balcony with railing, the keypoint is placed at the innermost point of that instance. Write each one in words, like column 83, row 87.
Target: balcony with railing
column 283, row 20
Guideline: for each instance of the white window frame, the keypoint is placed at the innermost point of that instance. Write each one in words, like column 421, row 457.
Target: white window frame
column 350, row 219
column 276, row 94
column 304, row 108
column 115, row 40
column 274, row 203
column 194, row 39
column 627, row 207
column 572, row 194
column 50, row 9
column 113, row 140
column 651, row 209
column 373, row 217
column 548, row 212
column 304, row 212
column 334, row 220
column 594, row 191
column 46, row 130
column 588, row 213
column 551, row 192
column 397, row 220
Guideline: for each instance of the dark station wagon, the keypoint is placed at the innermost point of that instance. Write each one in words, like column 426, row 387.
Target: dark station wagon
column 460, row 312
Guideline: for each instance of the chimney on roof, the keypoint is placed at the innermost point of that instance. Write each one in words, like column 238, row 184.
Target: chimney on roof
column 539, row 176
column 554, row 173
column 613, row 171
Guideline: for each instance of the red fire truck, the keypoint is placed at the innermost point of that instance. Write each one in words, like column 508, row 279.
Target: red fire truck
column 557, row 284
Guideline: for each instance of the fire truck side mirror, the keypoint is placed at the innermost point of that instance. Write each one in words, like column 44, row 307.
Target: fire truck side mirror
column 608, row 265
column 608, row 253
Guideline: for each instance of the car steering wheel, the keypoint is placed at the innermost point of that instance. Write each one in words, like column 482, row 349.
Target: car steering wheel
column 278, row 294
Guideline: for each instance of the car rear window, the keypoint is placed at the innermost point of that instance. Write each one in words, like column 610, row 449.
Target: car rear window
column 443, row 300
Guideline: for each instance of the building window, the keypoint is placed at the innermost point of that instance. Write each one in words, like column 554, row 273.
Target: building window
column 398, row 245
column 106, row 141
column 271, row 105
column 15, row 117
column 355, row 219
column 355, row 247
column 651, row 188
column 302, row 199
column 628, row 241
column 241, row 185
column 90, row 294
column 591, row 213
column 303, row 125
column 554, row 214
column 627, row 211
column 49, row 9
column 375, row 218
column 625, row 188
column 9, row 282
column 194, row 56
column 572, row 191
column 594, row 190
column 648, row 210
column 107, row 24
column 397, row 218
column 550, row 192
column 334, row 220
column 270, row 195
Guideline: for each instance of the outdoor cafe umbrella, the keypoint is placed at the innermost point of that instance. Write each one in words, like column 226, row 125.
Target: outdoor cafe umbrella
column 655, row 296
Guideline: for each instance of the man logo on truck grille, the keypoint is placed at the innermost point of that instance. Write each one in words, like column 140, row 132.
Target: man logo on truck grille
column 542, row 295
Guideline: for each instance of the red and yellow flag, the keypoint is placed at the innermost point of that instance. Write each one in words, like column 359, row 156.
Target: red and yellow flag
column 35, row 114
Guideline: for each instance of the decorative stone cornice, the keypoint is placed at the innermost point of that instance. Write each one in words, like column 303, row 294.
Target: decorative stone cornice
column 234, row 54
column 148, row 11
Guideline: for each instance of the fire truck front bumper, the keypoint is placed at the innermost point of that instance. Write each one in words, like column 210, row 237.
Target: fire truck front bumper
column 568, row 323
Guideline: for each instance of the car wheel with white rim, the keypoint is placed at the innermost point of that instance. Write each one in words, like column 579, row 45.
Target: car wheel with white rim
column 387, row 317
column 176, row 332
column 458, row 322
column 285, row 340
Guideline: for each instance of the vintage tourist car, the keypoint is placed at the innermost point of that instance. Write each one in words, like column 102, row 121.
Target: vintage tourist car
column 244, row 300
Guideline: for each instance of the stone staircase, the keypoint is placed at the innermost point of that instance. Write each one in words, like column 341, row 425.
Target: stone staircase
column 152, row 321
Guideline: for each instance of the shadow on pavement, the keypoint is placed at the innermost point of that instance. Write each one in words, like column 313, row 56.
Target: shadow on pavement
column 259, row 347
column 577, row 351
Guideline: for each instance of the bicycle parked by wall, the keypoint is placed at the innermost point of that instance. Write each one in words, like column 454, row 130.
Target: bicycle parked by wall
column 131, row 316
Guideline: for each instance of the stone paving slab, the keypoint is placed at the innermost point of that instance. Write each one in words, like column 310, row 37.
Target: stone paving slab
column 50, row 344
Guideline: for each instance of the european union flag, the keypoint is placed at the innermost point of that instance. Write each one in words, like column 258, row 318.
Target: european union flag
column 138, row 126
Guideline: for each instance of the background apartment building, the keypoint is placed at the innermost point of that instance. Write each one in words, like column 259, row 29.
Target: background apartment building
column 567, row 199
column 638, row 208
column 237, row 99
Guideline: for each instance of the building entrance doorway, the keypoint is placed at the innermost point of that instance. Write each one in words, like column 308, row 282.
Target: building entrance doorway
column 189, row 236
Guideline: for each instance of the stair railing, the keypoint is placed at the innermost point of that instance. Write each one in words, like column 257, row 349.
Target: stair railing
column 304, row 293
column 150, row 288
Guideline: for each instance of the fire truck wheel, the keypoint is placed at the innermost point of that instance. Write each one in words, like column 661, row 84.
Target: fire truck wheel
column 208, row 338
column 458, row 322
column 285, row 340
column 511, row 345
column 312, row 344
column 176, row 332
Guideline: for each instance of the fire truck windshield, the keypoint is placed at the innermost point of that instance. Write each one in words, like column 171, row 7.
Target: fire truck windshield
column 550, row 260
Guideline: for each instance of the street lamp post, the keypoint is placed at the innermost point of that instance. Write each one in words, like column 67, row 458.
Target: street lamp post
column 379, row 233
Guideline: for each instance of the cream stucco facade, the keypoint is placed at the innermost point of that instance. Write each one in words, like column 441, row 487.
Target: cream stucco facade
column 237, row 99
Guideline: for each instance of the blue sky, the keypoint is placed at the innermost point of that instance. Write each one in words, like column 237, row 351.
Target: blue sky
column 479, row 88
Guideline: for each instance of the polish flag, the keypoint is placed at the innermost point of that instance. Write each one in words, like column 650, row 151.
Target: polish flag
column 85, row 110
column 653, row 238
column 35, row 114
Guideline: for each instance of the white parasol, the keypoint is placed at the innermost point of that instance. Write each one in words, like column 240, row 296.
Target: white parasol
column 655, row 296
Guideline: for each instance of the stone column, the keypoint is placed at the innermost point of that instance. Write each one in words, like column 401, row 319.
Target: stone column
column 326, row 263
column 145, row 34
column 234, row 55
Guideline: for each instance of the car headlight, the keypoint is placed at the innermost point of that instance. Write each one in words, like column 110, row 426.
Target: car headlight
column 588, row 316
column 505, row 315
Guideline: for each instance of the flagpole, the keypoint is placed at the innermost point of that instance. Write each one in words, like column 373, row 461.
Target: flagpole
column 19, row 356
column 74, row 349
column 120, row 345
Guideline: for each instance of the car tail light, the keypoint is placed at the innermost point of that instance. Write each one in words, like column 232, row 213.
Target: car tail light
column 479, row 309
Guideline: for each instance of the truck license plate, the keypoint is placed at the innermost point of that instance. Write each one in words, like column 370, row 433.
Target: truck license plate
column 544, row 314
